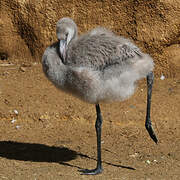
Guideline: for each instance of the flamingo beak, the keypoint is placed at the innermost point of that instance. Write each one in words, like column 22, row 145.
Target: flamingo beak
column 62, row 49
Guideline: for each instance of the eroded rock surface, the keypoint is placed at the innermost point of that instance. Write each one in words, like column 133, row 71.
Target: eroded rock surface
column 28, row 27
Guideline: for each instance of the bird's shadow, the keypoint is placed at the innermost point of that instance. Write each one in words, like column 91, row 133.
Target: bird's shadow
column 35, row 152
column 43, row 153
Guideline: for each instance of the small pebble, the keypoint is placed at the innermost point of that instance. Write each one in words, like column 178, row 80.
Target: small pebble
column 134, row 155
column 16, row 112
column 13, row 120
column 148, row 161
column 44, row 117
column 17, row 127
column 162, row 77
column 23, row 69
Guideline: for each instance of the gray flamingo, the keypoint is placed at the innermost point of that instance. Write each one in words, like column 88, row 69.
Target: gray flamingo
column 98, row 66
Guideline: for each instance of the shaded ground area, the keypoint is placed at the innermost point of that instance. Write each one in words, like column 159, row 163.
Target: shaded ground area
column 46, row 134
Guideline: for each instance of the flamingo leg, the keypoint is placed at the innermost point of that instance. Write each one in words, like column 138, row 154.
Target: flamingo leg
column 148, row 124
column 98, row 127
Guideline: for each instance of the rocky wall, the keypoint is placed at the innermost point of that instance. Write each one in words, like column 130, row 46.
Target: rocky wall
column 27, row 27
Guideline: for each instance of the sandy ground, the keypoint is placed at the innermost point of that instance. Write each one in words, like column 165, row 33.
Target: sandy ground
column 53, row 134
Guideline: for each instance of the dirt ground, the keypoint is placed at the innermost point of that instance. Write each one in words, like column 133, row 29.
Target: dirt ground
column 46, row 134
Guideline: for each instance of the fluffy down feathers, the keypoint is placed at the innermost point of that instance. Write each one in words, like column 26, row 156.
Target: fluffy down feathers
column 99, row 66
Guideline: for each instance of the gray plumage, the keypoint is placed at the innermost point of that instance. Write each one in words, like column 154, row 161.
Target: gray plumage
column 97, row 66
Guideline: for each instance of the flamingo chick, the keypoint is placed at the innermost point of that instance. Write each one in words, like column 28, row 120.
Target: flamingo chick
column 98, row 66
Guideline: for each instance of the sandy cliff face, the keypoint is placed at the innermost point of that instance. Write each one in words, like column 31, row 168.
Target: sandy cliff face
column 28, row 27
